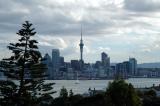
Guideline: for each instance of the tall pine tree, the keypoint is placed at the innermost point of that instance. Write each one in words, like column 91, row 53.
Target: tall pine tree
column 24, row 71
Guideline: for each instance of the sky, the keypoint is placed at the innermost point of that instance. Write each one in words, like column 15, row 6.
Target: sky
column 121, row 28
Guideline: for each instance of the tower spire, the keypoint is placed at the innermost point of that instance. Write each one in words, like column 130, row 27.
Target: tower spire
column 81, row 50
column 81, row 31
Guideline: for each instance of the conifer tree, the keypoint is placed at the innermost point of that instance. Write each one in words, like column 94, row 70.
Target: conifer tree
column 24, row 71
column 63, row 93
column 71, row 93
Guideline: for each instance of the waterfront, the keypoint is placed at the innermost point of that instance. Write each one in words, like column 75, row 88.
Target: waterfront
column 84, row 85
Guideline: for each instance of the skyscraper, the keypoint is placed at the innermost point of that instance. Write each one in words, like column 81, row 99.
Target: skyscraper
column 105, row 60
column 55, row 59
column 48, row 63
column 133, row 66
column 62, row 63
column 81, row 51
column 122, row 69
column 75, row 64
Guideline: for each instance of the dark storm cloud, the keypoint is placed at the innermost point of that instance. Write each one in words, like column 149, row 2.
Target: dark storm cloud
column 12, row 15
column 142, row 5
column 110, row 22
column 9, row 22
column 60, row 22
column 55, row 19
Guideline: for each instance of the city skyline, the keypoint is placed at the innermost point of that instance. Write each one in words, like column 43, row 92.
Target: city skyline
column 116, row 27
column 79, row 52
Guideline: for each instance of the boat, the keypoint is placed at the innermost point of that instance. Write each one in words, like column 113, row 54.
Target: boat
column 77, row 81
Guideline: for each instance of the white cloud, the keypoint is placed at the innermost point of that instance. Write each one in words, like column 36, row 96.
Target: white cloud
column 106, row 49
column 118, row 27
column 55, row 42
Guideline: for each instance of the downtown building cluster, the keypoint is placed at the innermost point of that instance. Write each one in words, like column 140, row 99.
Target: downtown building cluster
column 58, row 69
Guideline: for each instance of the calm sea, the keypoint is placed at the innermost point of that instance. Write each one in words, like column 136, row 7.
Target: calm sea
column 84, row 85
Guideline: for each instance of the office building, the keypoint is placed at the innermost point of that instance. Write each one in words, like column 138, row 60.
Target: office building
column 122, row 69
column 97, row 64
column 75, row 64
column 55, row 59
column 48, row 63
column 133, row 66
column 62, row 63
column 105, row 60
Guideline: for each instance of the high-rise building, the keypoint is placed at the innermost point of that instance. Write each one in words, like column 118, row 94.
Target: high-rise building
column 119, row 69
column 62, row 63
column 97, row 64
column 55, row 59
column 75, row 65
column 48, row 63
column 133, row 66
column 122, row 69
column 81, row 51
column 126, row 67
column 105, row 60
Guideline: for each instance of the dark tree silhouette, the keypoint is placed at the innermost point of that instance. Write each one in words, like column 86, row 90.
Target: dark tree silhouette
column 120, row 93
column 71, row 93
column 63, row 92
column 24, row 71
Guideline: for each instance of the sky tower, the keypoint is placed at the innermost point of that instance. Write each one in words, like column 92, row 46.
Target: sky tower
column 81, row 50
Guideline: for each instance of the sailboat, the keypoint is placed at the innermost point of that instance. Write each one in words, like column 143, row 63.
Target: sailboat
column 77, row 81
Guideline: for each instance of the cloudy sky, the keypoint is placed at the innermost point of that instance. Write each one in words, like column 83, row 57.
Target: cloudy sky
column 121, row 28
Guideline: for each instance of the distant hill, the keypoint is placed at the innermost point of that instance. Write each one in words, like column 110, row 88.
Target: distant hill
column 149, row 65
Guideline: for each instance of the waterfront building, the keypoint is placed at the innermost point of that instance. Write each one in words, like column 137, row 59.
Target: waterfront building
column 75, row 64
column 62, row 63
column 55, row 61
column 126, row 67
column 133, row 66
column 101, row 72
column 48, row 63
column 71, row 75
column 105, row 60
column 97, row 64
column 122, row 69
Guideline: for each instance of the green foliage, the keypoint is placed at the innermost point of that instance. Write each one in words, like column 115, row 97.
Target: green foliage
column 147, row 101
column 63, row 92
column 140, row 93
column 150, row 93
column 70, row 101
column 119, row 93
column 95, row 100
column 71, row 93
column 75, row 99
column 25, row 66
column 7, row 91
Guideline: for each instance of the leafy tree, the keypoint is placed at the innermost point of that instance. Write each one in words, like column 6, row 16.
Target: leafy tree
column 132, row 98
column 24, row 66
column 150, row 93
column 119, row 93
column 63, row 92
column 71, row 93
column 95, row 100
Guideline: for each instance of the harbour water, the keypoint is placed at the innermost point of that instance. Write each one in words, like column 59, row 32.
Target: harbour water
column 84, row 85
